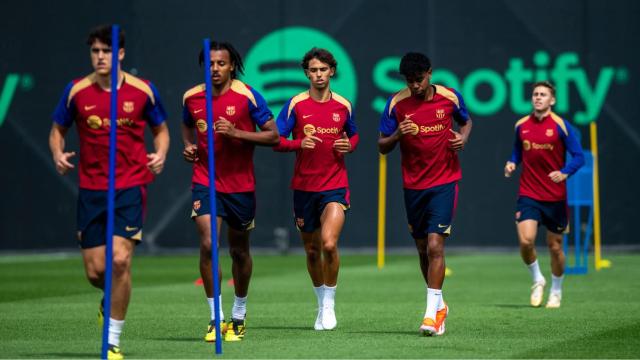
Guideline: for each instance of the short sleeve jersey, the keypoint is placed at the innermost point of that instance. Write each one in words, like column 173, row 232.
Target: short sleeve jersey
column 245, row 108
column 541, row 146
column 427, row 160
column 322, row 168
column 88, row 105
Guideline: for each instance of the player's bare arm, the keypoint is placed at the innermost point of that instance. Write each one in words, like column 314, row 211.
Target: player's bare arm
column 190, row 152
column 387, row 143
column 268, row 136
column 460, row 138
column 56, row 144
column 161, row 146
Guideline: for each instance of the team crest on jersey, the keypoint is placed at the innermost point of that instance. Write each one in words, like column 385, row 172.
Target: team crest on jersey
column 128, row 106
column 94, row 122
column 526, row 145
column 549, row 132
column 231, row 110
column 196, row 205
column 336, row 117
column 309, row 130
column 201, row 125
column 440, row 114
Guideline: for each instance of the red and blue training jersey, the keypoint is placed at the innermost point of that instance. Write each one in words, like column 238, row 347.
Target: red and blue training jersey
column 245, row 108
column 88, row 105
column 321, row 168
column 541, row 145
column 427, row 160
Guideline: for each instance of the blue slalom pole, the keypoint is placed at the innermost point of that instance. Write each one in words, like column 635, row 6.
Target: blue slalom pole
column 111, row 194
column 212, row 193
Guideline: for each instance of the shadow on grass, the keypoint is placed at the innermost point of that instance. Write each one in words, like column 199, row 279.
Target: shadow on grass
column 66, row 355
column 513, row 306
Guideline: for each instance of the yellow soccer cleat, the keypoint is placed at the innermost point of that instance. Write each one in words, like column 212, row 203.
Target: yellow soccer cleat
column 537, row 293
column 235, row 330
column 210, row 336
column 114, row 353
column 554, row 300
column 428, row 327
column 441, row 315
column 101, row 313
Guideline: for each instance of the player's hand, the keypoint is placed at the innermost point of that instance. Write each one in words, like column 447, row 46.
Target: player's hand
column 190, row 153
column 156, row 162
column 225, row 127
column 309, row 142
column 509, row 168
column 407, row 126
column 342, row 145
column 457, row 143
column 62, row 162
column 557, row 176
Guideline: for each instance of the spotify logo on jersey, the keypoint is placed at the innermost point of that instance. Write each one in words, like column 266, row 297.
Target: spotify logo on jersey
column 272, row 65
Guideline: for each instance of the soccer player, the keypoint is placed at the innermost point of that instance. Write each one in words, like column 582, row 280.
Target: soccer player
column 323, row 131
column 86, row 101
column 237, row 110
column 420, row 117
column 541, row 141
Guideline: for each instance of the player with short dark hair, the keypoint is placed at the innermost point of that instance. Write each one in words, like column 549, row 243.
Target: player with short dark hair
column 323, row 131
column 237, row 110
column 542, row 140
column 420, row 117
column 86, row 101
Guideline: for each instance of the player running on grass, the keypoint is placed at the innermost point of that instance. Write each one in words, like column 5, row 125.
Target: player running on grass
column 541, row 142
column 237, row 110
column 86, row 101
column 323, row 131
column 420, row 117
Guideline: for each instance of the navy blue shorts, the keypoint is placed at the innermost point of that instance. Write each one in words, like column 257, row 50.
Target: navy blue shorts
column 309, row 205
column 431, row 210
column 554, row 215
column 237, row 209
column 92, row 215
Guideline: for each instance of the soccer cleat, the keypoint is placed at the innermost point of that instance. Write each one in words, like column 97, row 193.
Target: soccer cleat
column 429, row 327
column 329, row 321
column 101, row 313
column 318, row 324
column 554, row 300
column 235, row 330
column 537, row 293
column 441, row 315
column 210, row 336
column 114, row 353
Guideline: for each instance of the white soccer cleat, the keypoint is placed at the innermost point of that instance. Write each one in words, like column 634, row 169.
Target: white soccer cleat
column 537, row 293
column 318, row 324
column 329, row 321
column 554, row 300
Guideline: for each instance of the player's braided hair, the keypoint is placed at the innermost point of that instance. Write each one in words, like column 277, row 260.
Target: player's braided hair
column 234, row 55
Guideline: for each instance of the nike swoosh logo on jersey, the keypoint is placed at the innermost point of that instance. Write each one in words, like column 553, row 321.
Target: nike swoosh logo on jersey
column 197, row 111
column 442, row 226
column 408, row 116
column 525, row 131
column 306, row 116
column 130, row 228
column 88, row 107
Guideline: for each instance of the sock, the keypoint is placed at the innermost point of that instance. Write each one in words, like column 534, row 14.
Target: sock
column 213, row 308
column 115, row 329
column 434, row 297
column 239, row 310
column 556, row 284
column 319, row 294
column 329, row 298
column 534, row 269
column 441, row 303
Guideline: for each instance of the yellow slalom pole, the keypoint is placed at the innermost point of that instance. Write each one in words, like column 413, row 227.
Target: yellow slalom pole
column 599, row 262
column 382, row 207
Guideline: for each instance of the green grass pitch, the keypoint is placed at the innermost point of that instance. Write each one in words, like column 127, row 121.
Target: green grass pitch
column 48, row 310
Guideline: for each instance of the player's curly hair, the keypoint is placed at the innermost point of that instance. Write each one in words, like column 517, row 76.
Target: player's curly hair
column 234, row 55
column 414, row 64
column 323, row 55
column 103, row 34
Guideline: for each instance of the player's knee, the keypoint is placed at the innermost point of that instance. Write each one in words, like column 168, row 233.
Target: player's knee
column 121, row 264
column 239, row 254
column 313, row 253
column 330, row 247
column 526, row 242
column 95, row 278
